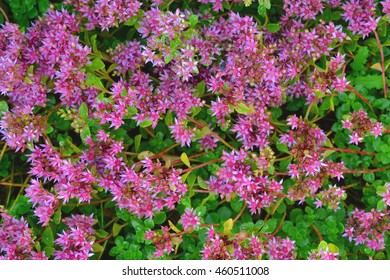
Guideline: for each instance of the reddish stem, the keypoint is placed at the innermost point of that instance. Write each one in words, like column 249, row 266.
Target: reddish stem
column 366, row 170
column 317, row 232
column 348, row 151
column 351, row 89
column 385, row 89
column 201, row 165
column 240, row 213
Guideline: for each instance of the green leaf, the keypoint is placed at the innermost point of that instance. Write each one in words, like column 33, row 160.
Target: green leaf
column 49, row 129
column 200, row 88
column 101, row 233
column 202, row 183
column 242, row 108
column 186, row 201
column 96, row 64
column 47, row 237
column 83, row 111
column 48, row 251
column 269, row 226
column 360, row 59
column 133, row 253
column 224, row 213
column 94, row 44
column 193, row 20
column 149, row 223
column 191, row 179
column 369, row 81
column 261, row 10
column 159, row 218
column 273, row 27
column 228, row 226
column 117, row 228
column 146, row 123
column 33, row 13
column 137, row 142
column 169, row 57
column 282, row 148
column 43, row 5
column 132, row 21
column 93, row 80
column 3, row 107
column 57, row 216
column 85, row 132
column 185, row 160
column 201, row 210
column 96, row 247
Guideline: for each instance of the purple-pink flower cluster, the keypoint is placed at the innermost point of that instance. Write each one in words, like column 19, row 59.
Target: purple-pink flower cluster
column 360, row 125
column 163, row 241
column 190, row 220
column 386, row 7
column 360, row 15
column 219, row 246
column 236, row 176
column 44, row 202
column 16, row 240
column 368, row 228
column 323, row 254
column 76, row 242
column 105, row 13
column 309, row 167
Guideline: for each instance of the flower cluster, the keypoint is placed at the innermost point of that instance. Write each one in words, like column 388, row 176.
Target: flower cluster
column 16, row 240
column 190, row 220
column 47, row 57
column 330, row 197
column 303, row 9
column 148, row 191
column 221, row 247
column 127, row 56
column 163, row 240
column 46, row 201
column 310, row 169
column 20, row 130
column 72, row 179
column 368, row 228
column 236, row 176
column 386, row 194
column 323, row 254
column 76, row 242
column 360, row 15
column 360, row 125
column 386, row 7
column 217, row 4
column 105, row 13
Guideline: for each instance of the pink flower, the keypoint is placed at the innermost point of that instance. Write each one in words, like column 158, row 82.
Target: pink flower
column 347, row 124
column 190, row 220
column 181, row 133
column 355, row 138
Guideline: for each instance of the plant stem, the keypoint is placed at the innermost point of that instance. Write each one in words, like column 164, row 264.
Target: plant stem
column 385, row 89
column 351, row 89
column 199, row 125
column 4, row 14
column 13, row 184
column 201, row 165
column 148, row 131
column 317, row 232
column 240, row 213
column 366, row 170
column 3, row 151
column 348, row 151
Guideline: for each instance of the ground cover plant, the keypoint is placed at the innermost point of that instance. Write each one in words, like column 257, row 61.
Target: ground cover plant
column 194, row 129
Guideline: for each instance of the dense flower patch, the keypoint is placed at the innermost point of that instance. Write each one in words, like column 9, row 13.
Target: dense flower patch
column 195, row 129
